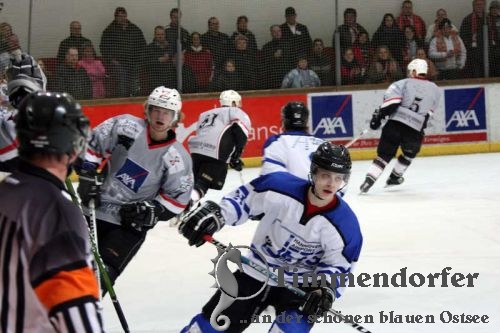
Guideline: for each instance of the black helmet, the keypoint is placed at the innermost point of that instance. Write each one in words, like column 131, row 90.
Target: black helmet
column 51, row 122
column 24, row 76
column 331, row 157
column 295, row 115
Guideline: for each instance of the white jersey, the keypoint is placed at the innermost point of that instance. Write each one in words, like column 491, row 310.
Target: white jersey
column 291, row 152
column 325, row 242
column 212, row 125
column 148, row 170
column 418, row 98
column 8, row 143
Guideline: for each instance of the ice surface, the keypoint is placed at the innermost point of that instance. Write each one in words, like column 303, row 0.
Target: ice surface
column 446, row 214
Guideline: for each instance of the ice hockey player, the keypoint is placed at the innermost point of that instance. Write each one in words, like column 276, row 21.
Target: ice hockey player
column 291, row 150
column 409, row 103
column 305, row 227
column 221, row 136
column 47, row 283
column 23, row 76
column 148, row 177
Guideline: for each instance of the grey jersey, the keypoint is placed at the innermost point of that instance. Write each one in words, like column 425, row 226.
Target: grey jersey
column 8, row 144
column 147, row 170
column 417, row 97
column 212, row 125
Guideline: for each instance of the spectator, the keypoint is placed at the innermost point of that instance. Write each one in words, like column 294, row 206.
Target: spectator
column 189, row 85
column 157, row 61
column 217, row 42
column 245, row 61
column 75, row 39
column 301, row 77
column 5, row 32
column 200, row 61
column 494, row 30
column 122, row 47
column 94, row 68
column 389, row 34
column 363, row 51
column 407, row 17
column 351, row 71
column 320, row 63
column 433, row 29
column 448, row 51
column 349, row 30
column 242, row 29
column 471, row 33
column 72, row 78
column 171, row 32
column 12, row 50
column 276, row 58
column 295, row 34
column 412, row 43
column 432, row 72
column 384, row 68
column 228, row 78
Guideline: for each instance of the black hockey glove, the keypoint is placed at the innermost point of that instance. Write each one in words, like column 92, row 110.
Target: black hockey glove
column 140, row 216
column 318, row 301
column 89, row 187
column 204, row 220
column 236, row 164
column 376, row 121
column 125, row 141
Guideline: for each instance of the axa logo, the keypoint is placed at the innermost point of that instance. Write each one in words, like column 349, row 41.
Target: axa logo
column 331, row 116
column 463, row 118
column 132, row 175
column 330, row 127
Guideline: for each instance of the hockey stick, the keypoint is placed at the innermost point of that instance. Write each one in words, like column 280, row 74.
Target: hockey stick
column 100, row 265
column 360, row 135
column 274, row 277
column 93, row 236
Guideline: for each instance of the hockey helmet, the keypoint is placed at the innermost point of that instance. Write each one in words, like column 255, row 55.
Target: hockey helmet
column 418, row 65
column 331, row 157
column 51, row 122
column 228, row 97
column 165, row 98
column 24, row 76
column 295, row 115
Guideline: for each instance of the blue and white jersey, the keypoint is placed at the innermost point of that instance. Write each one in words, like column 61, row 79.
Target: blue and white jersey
column 291, row 152
column 326, row 242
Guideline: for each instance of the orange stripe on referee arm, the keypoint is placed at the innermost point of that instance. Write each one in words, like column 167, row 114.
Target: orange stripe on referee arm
column 66, row 286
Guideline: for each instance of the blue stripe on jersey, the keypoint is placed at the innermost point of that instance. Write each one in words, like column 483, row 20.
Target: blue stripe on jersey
column 276, row 137
column 283, row 183
column 270, row 160
column 350, row 232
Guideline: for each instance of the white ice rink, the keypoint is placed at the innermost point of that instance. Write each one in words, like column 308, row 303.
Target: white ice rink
column 446, row 214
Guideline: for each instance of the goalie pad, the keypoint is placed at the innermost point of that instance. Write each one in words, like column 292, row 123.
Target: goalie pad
column 204, row 220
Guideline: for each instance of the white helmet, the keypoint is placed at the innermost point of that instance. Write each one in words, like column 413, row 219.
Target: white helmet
column 166, row 98
column 419, row 65
column 227, row 97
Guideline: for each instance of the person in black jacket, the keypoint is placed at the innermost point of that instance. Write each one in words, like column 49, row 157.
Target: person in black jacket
column 72, row 78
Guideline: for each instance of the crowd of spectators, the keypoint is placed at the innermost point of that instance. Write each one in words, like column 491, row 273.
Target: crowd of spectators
column 216, row 61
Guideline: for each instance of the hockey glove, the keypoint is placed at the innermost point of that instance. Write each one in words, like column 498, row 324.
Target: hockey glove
column 376, row 121
column 204, row 220
column 140, row 216
column 125, row 141
column 318, row 301
column 89, row 187
column 236, row 164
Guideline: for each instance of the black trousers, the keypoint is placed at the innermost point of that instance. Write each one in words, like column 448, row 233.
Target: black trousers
column 241, row 311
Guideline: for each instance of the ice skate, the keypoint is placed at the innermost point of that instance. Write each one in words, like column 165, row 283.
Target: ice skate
column 367, row 184
column 394, row 180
